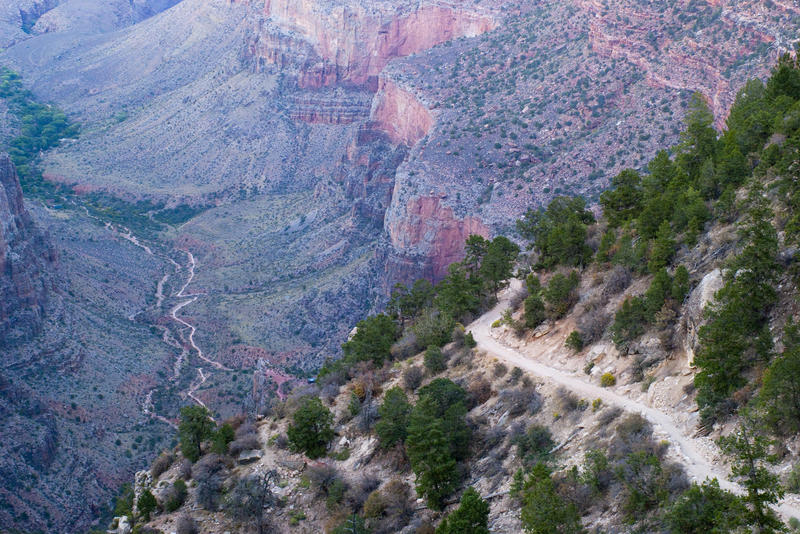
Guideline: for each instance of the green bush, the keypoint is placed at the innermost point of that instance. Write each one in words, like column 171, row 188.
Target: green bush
column 608, row 380
column 434, row 360
column 146, row 505
column 574, row 341
column 560, row 294
column 469, row 341
column 311, row 429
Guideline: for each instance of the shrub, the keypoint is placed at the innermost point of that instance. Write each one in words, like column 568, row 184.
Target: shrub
column 480, row 390
column 793, row 480
column 618, row 280
column 311, row 429
column 534, row 446
column 434, row 360
column 374, row 506
column 574, row 341
column 161, row 464
column 177, row 496
column 185, row 525
column 245, row 442
column 534, row 313
column 597, row 404
column 560, row 294
column 516, row 374
column 499, row 370
column 222, row 438
column 412, row 377
column 469, row 341
column 608, row 380
column 209, row 474
column 592, row 325
column 433, row 328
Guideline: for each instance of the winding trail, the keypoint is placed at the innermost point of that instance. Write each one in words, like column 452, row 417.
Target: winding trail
column 191, row 327
column 697, row 464
column 168, row 338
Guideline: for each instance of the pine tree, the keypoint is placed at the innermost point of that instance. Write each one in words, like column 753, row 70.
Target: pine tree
column 194, row 428
column 430, row 455
column 623, row 201
column 544, row 511
column 311, row 429
column 750, row 451
column 392, row 427
column 663, row 248
column 471, row 516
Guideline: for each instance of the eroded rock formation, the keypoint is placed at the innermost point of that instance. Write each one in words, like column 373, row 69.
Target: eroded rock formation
column 25, row 254
column 352, row 43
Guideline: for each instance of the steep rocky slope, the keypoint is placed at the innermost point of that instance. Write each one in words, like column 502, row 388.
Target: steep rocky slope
column 26, row 255
column 75, row 379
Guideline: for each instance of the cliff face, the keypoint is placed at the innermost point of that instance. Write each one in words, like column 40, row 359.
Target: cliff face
column 352, row 43
column 25, row 255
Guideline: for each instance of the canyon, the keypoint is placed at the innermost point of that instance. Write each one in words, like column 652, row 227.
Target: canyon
column 327, row 150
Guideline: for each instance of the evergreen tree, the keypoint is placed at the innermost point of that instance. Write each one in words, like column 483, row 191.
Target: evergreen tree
column 429, row 452
column 706, row 509
column 458, row 294
column 544, row 511
column 311, row 429
column 780, row 392
column 392, row 427
column 146, row 505
column 559, row 232
column 194, row 428
column 475, row 249
column 680, row 284
column 749, row 450
column 372, row 341
column 736, row 334
column 663, row 248
column 471, row 516
column 448, row 404
column 498, row 263
column 623, row 201
column 699, row 139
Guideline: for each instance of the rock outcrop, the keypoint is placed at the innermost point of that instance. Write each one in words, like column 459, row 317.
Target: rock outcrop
column 25, row 254
column 352, row 43
column 428, row 237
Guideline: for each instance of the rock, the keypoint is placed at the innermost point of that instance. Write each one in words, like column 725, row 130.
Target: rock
column 698, row 299
column 25, row 257
column 120, row 525
column 248, row 457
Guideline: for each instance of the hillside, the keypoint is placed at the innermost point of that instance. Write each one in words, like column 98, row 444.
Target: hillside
column 636, row 373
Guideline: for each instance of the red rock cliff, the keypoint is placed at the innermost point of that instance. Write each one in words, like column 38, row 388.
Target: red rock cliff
column 399, row 113
column 431, row 232
column 352, row 43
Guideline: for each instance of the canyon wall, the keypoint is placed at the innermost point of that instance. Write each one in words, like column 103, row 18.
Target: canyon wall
column 351, row 43
column 25, row 254
column 400, row 114
column 427, row 236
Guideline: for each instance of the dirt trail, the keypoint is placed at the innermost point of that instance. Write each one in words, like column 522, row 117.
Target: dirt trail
column 192, row 328
column 698, row 466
